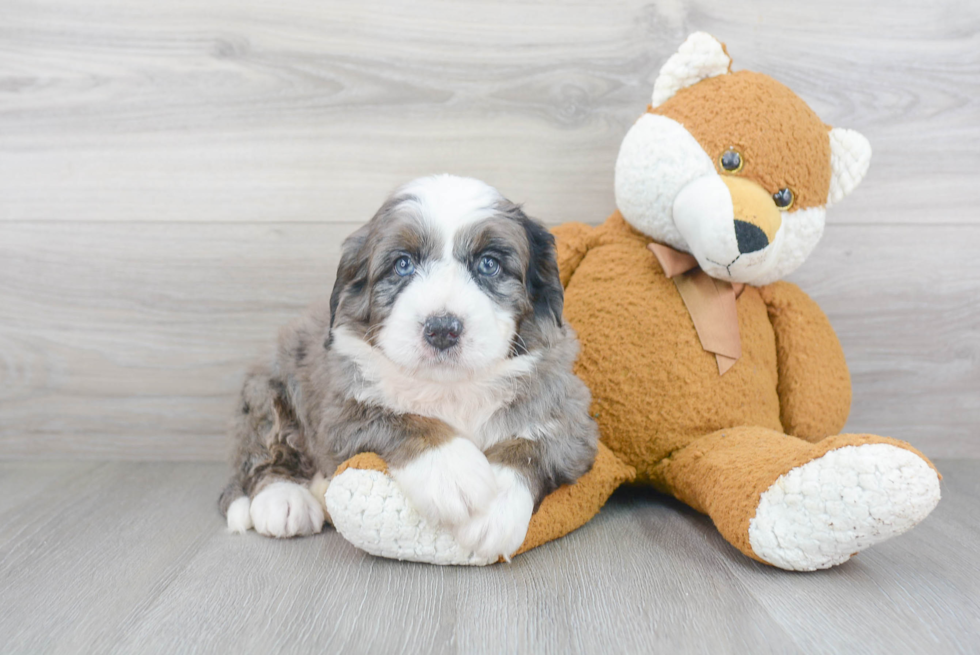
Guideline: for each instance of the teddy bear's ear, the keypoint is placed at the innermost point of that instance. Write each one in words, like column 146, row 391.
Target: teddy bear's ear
column 699, row 57
column 850, row 156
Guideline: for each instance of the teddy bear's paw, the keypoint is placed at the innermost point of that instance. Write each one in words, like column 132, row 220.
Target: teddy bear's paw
column 500, row 531
column 285, row 509
column 823, row 512
column 369, row 510
column 450, row 483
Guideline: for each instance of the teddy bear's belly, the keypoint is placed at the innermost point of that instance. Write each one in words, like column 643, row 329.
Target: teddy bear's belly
column 654, row 388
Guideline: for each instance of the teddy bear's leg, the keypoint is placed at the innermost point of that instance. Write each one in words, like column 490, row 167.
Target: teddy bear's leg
column 367, row 507
column 802, row 506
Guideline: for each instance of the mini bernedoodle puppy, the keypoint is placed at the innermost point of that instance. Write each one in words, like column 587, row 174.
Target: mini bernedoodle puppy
column 443, row 350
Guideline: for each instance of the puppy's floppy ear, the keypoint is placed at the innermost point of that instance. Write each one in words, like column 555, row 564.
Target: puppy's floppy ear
column 542, row 279
column 352, row 272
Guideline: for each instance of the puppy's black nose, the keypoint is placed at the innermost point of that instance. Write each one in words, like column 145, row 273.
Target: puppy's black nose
column 750, row 237
column 442, row 332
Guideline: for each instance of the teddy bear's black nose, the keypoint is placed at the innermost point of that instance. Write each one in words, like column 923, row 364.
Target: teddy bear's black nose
column 750, row 237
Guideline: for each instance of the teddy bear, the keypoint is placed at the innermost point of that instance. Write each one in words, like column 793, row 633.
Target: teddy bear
column 713, row 380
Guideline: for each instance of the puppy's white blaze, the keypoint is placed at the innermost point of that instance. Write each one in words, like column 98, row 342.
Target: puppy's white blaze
column 286, row 509
column 502, row 529
column 449, row 483
column 239, row 518
column 463, row 402
column 447, row 203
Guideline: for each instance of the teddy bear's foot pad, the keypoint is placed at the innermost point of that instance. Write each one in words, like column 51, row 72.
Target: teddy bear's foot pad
column 823, row 512
column 372, row 513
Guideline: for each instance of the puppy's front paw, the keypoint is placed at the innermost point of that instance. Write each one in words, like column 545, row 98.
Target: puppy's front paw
column 286, row 509
column 501, row 530
column 450, row 483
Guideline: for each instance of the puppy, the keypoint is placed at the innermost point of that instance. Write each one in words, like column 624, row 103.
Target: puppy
column 443, row 350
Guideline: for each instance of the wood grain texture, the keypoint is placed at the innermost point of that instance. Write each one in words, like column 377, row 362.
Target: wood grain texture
column 130, row 340
column 133, row 339
column 312, row 111
column 175, row 180
column 124, row 557
column 903, row 300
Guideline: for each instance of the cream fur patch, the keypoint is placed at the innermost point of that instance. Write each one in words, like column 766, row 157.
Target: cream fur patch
column 657, row 159
column 699, row 57
column 821, row 513
column 464, row 401
column 850, row 158
column 799, row 235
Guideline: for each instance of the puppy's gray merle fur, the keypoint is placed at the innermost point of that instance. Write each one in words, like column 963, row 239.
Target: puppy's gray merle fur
column 442, row 349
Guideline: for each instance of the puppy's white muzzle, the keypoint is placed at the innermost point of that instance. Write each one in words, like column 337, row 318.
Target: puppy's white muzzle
column 443, row 322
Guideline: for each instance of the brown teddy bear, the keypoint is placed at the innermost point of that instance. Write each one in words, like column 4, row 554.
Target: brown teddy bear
column 712, row 380
column 718, row 383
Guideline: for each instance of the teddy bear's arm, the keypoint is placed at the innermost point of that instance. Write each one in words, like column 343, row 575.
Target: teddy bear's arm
column 814, row 383
column 573, row 240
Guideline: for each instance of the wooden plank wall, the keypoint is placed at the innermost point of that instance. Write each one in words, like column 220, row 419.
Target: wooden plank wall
column 176, row 178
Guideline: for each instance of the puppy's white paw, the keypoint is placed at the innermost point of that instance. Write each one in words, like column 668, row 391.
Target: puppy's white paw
column 450, row 483
column 239, row 519
column 501, row 530
column 286, row 509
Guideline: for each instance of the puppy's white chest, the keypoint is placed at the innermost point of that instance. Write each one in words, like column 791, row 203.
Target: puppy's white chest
column 465, row 404
column 467, row 407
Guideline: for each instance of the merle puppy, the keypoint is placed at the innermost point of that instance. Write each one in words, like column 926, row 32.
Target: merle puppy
column 443, row 350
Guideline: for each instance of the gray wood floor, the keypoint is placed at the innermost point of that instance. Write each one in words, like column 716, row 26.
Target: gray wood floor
column 132, row 557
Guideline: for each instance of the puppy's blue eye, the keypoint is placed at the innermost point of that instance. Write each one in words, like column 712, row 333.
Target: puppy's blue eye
column 404, row 266
column 488, row 266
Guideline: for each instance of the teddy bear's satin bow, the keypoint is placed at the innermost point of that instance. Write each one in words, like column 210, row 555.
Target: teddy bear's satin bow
column 710, row 302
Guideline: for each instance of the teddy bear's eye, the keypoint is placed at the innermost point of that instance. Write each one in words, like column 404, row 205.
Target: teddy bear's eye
column 784, row 198
column 731, row 160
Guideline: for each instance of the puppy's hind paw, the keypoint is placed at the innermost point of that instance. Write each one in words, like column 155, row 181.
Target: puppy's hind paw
column 239, row 518
column 450, row 483
column 286, row 509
